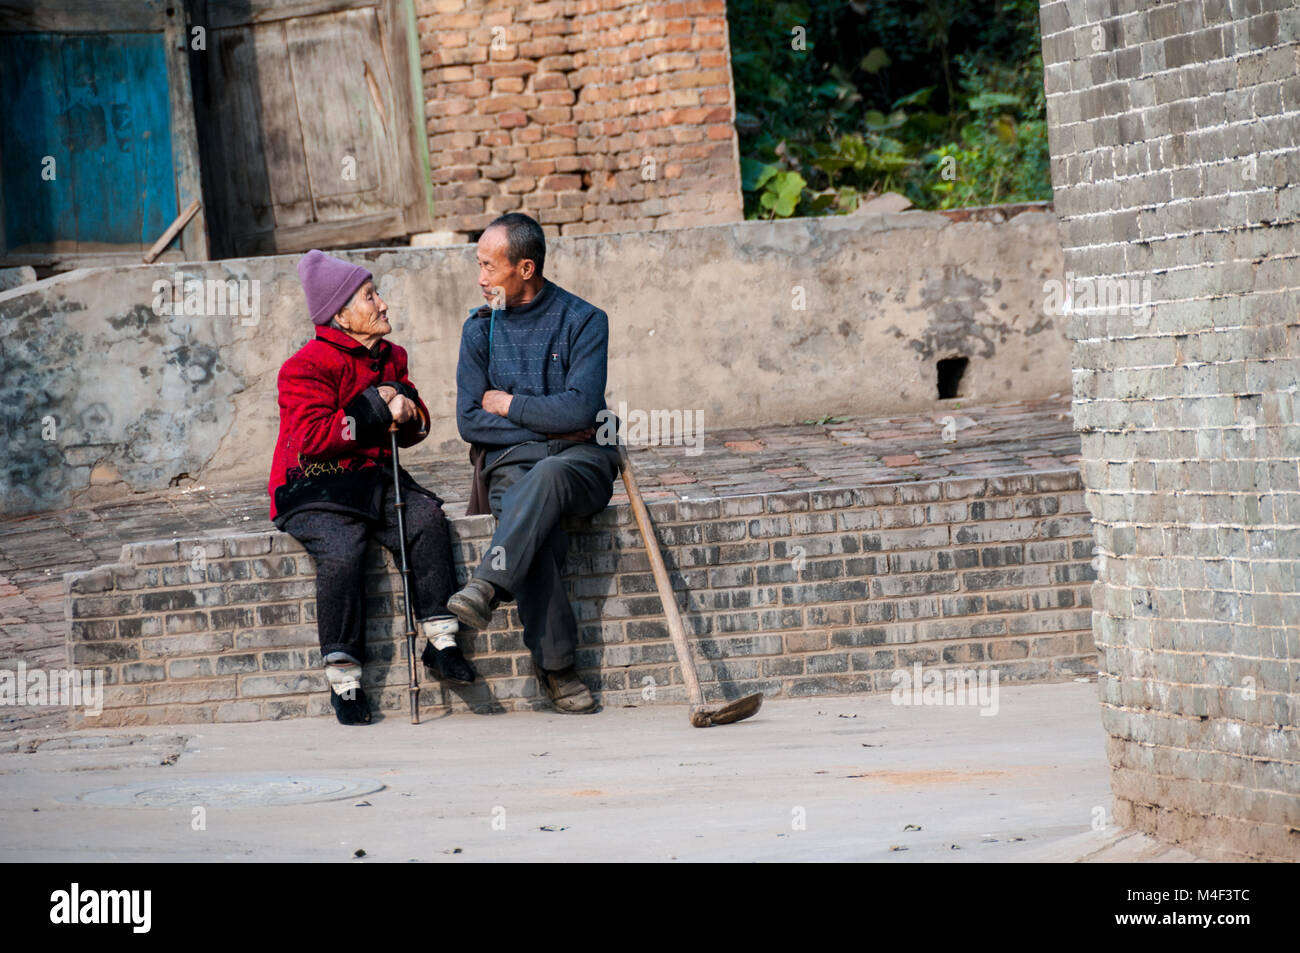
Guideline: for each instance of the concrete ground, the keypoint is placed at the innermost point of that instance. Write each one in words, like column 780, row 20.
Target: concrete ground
column 837, row 778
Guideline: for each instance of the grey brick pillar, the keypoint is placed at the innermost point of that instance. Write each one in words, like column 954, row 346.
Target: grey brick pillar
column 1173, row 130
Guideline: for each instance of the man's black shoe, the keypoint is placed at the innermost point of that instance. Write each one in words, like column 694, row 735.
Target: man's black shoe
column 449, row 664
column 474, row 604
column 351, row 711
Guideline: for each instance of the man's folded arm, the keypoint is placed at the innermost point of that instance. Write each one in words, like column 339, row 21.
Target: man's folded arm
column 576, row 407
column 475, row 424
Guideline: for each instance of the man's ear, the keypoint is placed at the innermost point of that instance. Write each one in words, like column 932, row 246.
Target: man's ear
column 527, row 268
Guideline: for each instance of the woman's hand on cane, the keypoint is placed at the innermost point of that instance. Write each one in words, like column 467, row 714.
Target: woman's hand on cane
column 403, row 409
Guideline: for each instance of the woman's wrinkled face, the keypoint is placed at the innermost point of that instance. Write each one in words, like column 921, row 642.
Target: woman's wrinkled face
column 366, row 315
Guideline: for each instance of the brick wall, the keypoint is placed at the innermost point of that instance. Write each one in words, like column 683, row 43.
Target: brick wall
column 590, row 115
column 1173, row 132
column 792, row 594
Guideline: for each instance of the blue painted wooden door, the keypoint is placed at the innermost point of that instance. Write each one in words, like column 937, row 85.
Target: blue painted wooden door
column 93, row 112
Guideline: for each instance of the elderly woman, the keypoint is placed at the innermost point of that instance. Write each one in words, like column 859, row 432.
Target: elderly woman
column 331, row 480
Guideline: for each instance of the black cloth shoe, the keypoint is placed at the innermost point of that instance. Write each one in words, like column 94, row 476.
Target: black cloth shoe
column 474, row 604
column 351, row 711
column 449, row 664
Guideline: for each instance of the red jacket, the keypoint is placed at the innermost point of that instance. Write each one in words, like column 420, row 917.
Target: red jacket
column 333, row 438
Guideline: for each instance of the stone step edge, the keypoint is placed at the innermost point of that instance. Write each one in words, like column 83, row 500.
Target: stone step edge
column 261, row 543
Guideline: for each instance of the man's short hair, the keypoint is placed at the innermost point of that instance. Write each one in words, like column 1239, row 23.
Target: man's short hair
column 524, row 238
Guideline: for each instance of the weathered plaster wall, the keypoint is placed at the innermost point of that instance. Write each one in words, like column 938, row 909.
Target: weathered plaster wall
column 103, row 395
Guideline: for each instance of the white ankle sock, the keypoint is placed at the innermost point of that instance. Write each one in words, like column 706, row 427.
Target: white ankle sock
column 343, row 678
column 441, row 631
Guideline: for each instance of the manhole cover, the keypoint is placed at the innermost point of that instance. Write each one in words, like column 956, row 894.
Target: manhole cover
column 259, row 790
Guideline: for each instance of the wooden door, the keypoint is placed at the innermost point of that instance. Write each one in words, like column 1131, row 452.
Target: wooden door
column 308, row 124
column 98, row 152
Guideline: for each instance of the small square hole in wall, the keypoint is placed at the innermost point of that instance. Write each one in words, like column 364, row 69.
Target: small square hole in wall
column 950, row 371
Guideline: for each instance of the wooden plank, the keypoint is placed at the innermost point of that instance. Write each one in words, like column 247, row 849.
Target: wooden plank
column 241, row 197
column 387, row 224
column 147, row 132
column 376, row 97
column 285, row 155
column 409, row 125
column 38, row 211
column 83, row 16
column 85, row 141
column 258, row 166
column 118, row 137
column 166, row 237
column 184, row 134
column 4, row 245
column 329, row 55
column 65, row 260
column 224, row 14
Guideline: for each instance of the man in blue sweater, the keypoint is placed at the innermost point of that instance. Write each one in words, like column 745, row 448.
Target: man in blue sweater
column 529, row 385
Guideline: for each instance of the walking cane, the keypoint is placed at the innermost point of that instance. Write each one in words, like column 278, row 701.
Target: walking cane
column 406, row 579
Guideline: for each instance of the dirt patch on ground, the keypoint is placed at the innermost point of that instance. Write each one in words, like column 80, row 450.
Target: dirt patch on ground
column 931, row 778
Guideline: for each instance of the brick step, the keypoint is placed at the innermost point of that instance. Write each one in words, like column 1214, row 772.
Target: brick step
column 797, row 593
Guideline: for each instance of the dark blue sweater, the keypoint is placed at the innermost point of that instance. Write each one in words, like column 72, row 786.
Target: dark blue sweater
column 550, row 354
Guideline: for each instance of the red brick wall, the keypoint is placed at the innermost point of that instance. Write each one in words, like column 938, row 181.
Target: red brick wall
column 590, row 115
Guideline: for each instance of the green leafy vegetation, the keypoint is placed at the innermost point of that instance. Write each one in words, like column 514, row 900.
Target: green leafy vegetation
column 839, row 100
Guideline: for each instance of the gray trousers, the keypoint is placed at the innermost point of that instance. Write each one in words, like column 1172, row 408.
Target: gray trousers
column 531, row 488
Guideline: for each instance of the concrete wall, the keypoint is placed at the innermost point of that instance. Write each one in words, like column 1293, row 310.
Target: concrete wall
column 747, row 323
column 1174, row 133
column 791, row 594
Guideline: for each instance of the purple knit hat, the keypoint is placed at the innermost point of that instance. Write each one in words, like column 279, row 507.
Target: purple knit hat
column 329, row 283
